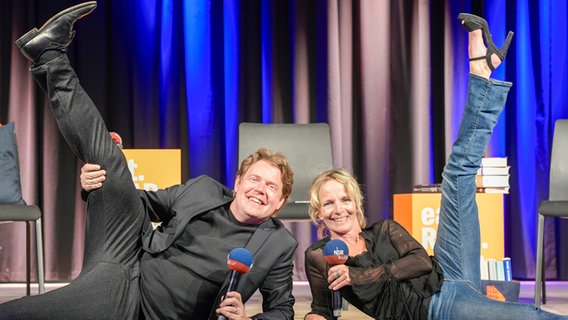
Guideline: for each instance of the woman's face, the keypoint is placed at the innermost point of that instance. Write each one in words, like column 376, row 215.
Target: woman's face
column 338, row 211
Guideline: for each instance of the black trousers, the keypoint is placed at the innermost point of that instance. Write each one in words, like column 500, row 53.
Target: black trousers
column 108, row 285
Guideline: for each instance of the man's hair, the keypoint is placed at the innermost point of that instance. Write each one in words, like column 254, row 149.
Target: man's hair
column 278, row 159
column 353, row 191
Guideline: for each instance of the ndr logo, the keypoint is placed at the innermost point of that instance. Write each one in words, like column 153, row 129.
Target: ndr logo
column 338, row 252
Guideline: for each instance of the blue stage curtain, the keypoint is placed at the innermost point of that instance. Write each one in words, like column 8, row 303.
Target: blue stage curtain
column 538, row 69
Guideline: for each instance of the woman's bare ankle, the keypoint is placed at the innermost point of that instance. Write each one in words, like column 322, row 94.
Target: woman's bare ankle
column 478, row 52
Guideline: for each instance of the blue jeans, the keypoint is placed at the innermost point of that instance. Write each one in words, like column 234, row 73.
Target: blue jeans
column 458, row 241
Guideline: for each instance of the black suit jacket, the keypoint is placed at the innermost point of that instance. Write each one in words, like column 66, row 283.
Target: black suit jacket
column 272, row 245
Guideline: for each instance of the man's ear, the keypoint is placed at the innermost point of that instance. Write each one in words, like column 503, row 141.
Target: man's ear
column 282, row 203
column 237, row 183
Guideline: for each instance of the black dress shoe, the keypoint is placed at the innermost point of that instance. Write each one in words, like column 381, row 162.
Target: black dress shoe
column 57, row 33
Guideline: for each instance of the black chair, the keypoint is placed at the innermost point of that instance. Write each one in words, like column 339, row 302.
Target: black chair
column 28, row 214
column 557, row 203
column 307, row 147
column 12, row 206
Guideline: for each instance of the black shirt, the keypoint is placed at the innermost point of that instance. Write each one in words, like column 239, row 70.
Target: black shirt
column 393, row 279
column 183, row 281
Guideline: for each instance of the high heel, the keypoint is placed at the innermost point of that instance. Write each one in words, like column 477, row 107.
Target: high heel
column 471, row 23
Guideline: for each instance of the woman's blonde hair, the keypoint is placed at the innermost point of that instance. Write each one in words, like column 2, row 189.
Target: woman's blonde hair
column 353, row 191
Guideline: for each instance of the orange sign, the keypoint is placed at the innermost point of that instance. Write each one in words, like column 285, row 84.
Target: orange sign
column 418, row 213
column 154, row 169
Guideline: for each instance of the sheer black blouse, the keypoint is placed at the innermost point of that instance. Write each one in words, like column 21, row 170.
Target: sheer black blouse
column 393, row 279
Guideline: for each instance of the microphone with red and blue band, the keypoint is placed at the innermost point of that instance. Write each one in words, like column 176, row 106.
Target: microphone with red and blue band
column 336, row 252
column 239, row 261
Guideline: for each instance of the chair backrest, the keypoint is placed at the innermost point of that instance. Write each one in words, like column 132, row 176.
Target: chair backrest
column 558, row 187
column 307, row 147
column 10, row 188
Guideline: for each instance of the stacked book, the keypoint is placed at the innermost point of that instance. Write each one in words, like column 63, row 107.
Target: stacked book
column 497, row 280
column 493, row 175
column 499, row 270
column 428, row 188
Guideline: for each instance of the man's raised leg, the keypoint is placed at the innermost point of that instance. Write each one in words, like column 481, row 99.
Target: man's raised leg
column 107, row 287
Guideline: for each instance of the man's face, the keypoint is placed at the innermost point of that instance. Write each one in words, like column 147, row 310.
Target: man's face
column 258, row 193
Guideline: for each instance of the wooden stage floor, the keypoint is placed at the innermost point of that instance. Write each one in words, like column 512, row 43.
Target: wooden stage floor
column 557, row 297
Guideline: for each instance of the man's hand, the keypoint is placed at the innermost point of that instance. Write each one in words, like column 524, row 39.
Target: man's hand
column 232, row 307
column 92, row 176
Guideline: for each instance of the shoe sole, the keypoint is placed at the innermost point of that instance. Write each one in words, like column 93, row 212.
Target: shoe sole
column 23, row 40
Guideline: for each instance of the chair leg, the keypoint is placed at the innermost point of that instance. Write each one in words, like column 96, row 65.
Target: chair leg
column 539, row 259
column 28, row 256
column 543, row 278
column 39, row 252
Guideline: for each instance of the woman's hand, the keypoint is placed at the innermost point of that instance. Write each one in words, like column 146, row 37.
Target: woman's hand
column 338, row 277
column 92, row 176
column 232, row 307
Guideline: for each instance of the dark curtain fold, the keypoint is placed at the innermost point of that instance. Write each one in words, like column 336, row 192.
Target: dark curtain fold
column 388, row 76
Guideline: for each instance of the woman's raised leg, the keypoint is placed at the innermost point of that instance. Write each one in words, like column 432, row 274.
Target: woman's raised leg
column 458, row 240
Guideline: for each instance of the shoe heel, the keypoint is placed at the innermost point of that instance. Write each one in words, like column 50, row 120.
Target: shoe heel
column 505, row 47
column 26, row 38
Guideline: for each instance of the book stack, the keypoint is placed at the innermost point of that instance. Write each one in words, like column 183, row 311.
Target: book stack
column 493, row 175
column 497, row 280
column 427, row 188
column 498, row 270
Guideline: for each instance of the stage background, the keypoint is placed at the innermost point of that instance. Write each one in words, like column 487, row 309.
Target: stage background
column 388, row 76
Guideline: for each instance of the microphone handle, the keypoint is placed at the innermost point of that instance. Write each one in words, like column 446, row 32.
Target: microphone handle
column 233, row 280
column 336, row 302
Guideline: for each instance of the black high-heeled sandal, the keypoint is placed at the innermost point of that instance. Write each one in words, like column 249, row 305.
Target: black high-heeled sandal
column 471, row 23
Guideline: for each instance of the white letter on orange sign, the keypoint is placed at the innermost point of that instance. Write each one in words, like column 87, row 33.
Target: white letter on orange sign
column 428, row 238
column 150, row 187
column 428, row 216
